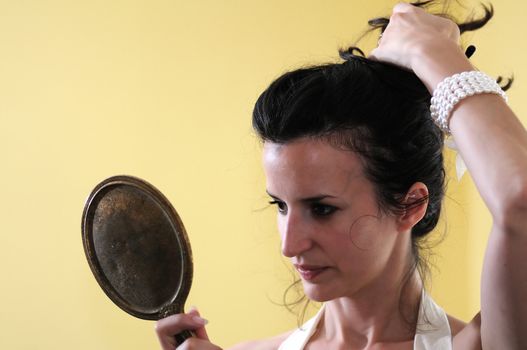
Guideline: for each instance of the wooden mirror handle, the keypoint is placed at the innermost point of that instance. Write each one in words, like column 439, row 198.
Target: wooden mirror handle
column 181, row 337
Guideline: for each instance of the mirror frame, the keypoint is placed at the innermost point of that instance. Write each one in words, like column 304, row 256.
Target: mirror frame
column 180, row 295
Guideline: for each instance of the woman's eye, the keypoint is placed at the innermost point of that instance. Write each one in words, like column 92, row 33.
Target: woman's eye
column 282, row 208
column 322, row 209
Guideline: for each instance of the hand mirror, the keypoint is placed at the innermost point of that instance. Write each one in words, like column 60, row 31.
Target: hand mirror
column 137, row 248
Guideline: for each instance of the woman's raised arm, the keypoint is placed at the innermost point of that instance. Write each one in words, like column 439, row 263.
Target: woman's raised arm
column 493, row 144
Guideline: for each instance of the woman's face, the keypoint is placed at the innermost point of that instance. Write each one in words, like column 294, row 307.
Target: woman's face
column 328, row 217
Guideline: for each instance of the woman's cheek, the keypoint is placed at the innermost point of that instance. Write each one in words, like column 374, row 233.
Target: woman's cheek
column 365, row 233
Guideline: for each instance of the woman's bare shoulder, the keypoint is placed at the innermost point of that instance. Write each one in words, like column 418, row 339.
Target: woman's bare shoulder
column 466, row 336
column 263, row 344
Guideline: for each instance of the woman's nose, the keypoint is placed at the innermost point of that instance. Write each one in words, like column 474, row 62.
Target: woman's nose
column 295, row 236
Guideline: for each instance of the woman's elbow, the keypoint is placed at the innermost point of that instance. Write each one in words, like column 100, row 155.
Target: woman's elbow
column 511, row 216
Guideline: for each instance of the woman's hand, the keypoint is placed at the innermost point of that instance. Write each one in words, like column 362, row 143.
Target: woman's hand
column 426, row 44
column 168, row 327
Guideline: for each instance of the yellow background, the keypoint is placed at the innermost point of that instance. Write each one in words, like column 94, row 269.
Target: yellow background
column 164, row 90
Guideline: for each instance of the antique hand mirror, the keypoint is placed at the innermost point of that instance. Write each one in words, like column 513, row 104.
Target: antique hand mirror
column 137, row 248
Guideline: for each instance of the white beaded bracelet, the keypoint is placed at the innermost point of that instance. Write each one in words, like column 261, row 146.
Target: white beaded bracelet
column 457, row 87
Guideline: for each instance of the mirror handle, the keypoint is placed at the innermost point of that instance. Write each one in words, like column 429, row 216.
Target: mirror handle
column 181, row 337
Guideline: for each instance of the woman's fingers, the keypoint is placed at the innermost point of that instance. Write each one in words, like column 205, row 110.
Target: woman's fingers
column 413, row 33
column 197, row 344
column 200, row 332
column 168, row 327
column 177, row 323
column 406, row 7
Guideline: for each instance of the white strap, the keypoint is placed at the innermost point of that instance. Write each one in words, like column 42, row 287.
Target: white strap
column 299, row 338
column 433, row 330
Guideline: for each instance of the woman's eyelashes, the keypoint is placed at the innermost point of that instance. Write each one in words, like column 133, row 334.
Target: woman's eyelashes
column 316, row 209
column 282, row 207
column 319, row 209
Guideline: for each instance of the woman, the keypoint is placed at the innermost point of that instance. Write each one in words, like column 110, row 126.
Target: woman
column 353, row 162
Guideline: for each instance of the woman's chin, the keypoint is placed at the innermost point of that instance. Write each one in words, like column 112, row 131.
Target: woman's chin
column 318, row 293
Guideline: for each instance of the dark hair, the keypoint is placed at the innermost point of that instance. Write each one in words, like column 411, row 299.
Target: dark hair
column 376, row 109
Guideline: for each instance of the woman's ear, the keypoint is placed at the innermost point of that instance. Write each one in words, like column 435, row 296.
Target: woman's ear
column 416, row 202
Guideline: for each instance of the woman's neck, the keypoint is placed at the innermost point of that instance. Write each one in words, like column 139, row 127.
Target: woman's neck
column 385, row 311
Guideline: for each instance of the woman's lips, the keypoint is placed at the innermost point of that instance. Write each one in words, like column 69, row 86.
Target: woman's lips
column 309, row 272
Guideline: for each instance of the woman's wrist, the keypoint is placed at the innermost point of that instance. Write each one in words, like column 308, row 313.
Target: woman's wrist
column 452, row 90
column 432, row 64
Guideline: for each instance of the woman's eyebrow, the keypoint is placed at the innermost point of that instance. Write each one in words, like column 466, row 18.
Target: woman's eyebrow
column 308, row 199
column 317, row 198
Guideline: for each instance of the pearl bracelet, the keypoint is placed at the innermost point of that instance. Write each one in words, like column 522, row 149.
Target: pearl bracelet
column 457, row 87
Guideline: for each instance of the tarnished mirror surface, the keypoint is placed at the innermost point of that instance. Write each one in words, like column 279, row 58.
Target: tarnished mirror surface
column 137, row 247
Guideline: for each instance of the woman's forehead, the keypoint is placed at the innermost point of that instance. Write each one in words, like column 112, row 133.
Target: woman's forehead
column 307, row 152
column 309, row 164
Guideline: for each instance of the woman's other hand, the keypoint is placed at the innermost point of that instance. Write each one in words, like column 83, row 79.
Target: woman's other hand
column 426, row 44
column 168, row 327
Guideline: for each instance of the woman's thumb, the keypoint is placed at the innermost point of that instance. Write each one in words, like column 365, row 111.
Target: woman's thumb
column 200, row 332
